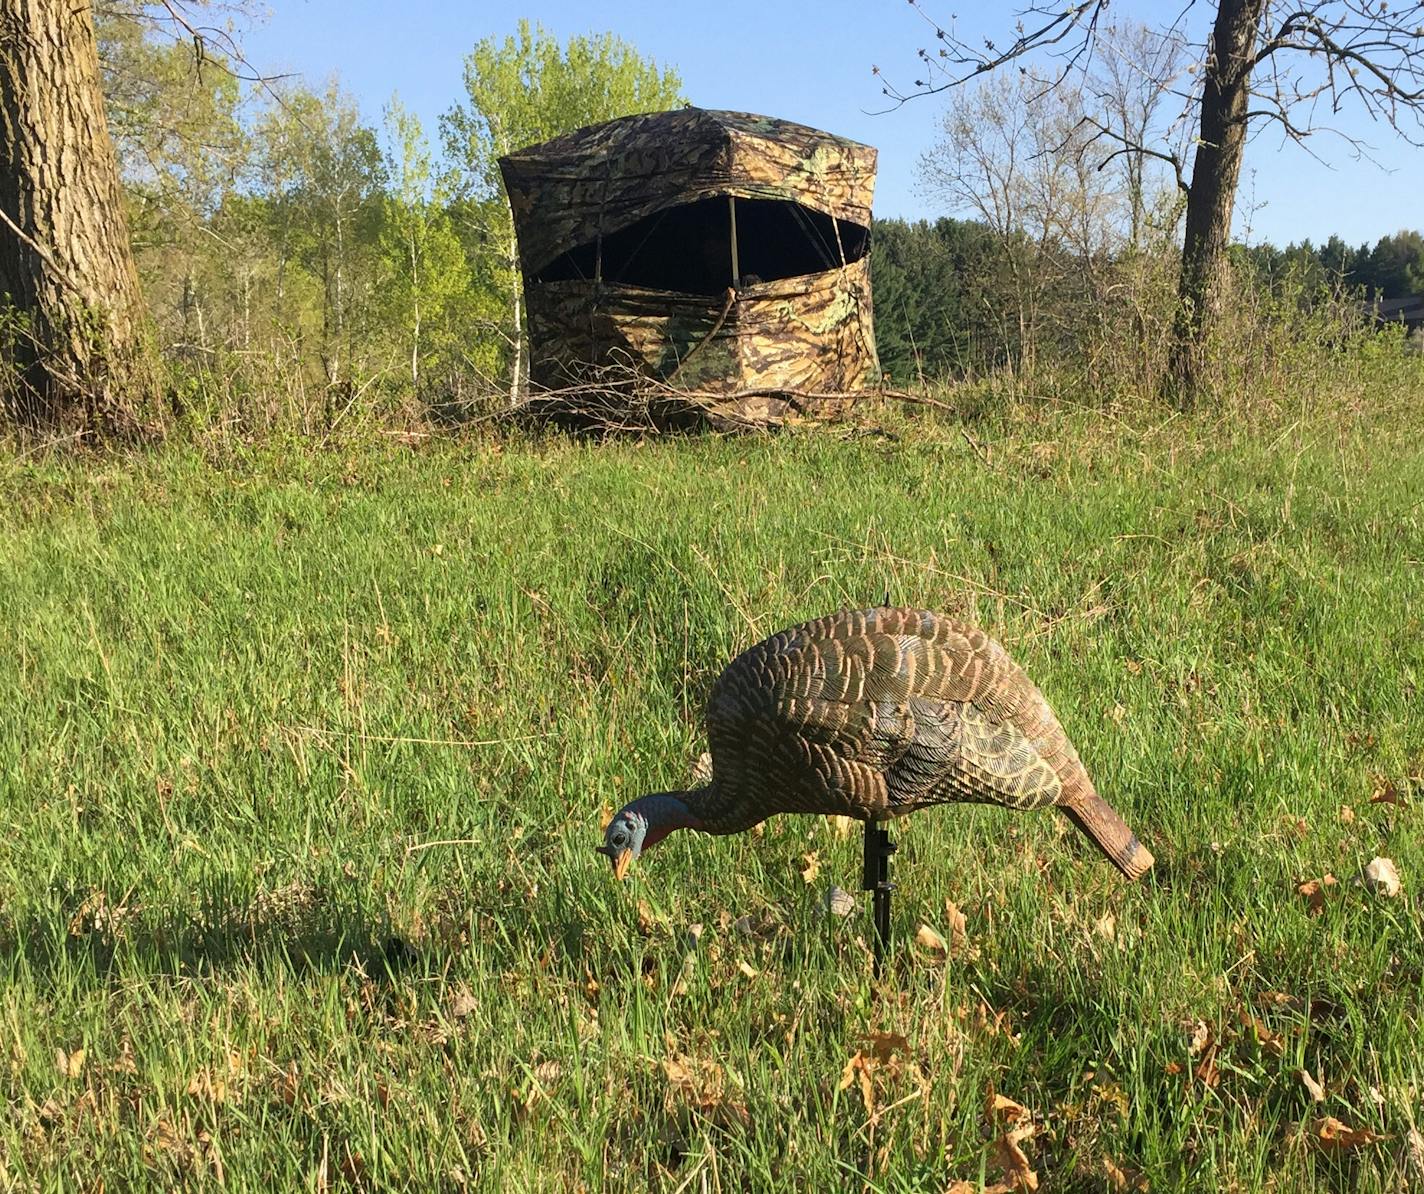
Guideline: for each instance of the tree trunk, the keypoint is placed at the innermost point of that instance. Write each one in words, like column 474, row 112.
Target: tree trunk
column 1216, row 171
column 516, row 381
column 78, row 333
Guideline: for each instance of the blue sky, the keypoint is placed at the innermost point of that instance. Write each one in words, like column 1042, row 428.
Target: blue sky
column 805, row 62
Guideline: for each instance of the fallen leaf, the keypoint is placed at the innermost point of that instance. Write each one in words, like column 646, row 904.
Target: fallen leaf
column 1331, row 1133
column 1172, row 1067
column 1270, row 1041
column 842, row 826
column 699, row 1084
column 1014, row 1162
column 463, row 1004
column 1382, row 878
column 931, row 941
column 71, row 1064
column 812, row 867
column 1134, row 668
column 648, row 920
column 1347, row 815
column 857, row 1069
column 1416, row 1150
column 208, row 1086
column 958, row 930
column 747, row 969
column 883, row 1045
column 999, row 1109
column 840, row 903
column 1204, row 1044
column 546, row 1073
column 1314, row 892
column 1387, row 792
column 605, row 817
column 1317, row 1092
column 1116, row 1177
column 1106, row 926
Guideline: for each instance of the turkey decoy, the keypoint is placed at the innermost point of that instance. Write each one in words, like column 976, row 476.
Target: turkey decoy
column 873, row 714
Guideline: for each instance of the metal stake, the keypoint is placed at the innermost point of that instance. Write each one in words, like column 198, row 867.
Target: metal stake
column 876, row 879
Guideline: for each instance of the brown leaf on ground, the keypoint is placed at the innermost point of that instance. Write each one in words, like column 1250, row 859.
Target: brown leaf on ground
column 648, row 920
column 1382, row 878
column 1117, row 1179
column 1347, row 815
column 1204, row 1045
column 1271, row 1042
column 1331, row 1133
column 1317, row 1091
column 842, row 826
column 698, row 1084
column 1387, row 792
column 932, row 941
column 463, row 1004
column 958, row 930
column 1416, row 1150
column 1314, row 892
column 811, row 867
column 605, row 817
column 71, row 1064
column 884, row 1045
column 857, row 1069
column 1001, row 1110
column 1013, row 1161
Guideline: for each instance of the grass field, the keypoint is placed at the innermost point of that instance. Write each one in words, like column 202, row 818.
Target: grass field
column 302, row 757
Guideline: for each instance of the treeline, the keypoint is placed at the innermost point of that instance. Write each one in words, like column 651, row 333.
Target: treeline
column 1392, row 268
column 303, row 263
column 950, row 299
column 307, row 266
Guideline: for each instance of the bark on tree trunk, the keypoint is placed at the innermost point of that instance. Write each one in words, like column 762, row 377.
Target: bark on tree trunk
column 516, row 380
column 77, row 331
column 1211, row 198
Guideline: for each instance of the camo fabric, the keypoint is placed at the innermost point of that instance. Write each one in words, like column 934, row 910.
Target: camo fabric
column 811, row 332
column 566, row 191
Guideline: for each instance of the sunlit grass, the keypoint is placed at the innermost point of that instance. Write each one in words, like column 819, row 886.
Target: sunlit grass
column 302, row 759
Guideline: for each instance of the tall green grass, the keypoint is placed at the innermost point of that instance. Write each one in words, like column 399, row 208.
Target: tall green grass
column 302, row 759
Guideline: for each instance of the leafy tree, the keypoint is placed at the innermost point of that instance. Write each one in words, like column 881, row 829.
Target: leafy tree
column 175, row 116
column 521, row 91
column 427, row 262
column 323, row 175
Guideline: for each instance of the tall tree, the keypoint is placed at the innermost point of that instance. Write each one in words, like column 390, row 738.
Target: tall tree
column 430, row 271
column 1281, row 61
column 527, row 89
column 76, row 327
column 323, row 173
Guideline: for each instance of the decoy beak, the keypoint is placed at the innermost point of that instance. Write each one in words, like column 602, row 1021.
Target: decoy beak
column 622, row 863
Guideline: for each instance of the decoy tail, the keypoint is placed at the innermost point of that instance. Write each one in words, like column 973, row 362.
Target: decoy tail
column 1109, row 832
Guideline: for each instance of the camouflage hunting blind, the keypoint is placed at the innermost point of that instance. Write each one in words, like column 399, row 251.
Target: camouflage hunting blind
column 718, row 252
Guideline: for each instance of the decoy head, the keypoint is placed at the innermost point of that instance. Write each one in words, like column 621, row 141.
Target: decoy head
column 642, row 825
column 623, row 839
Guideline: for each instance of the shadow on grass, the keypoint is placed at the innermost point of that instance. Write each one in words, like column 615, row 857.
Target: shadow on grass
column 300, row 928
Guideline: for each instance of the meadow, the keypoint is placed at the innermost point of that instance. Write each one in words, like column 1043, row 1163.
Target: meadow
column 303, row 755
